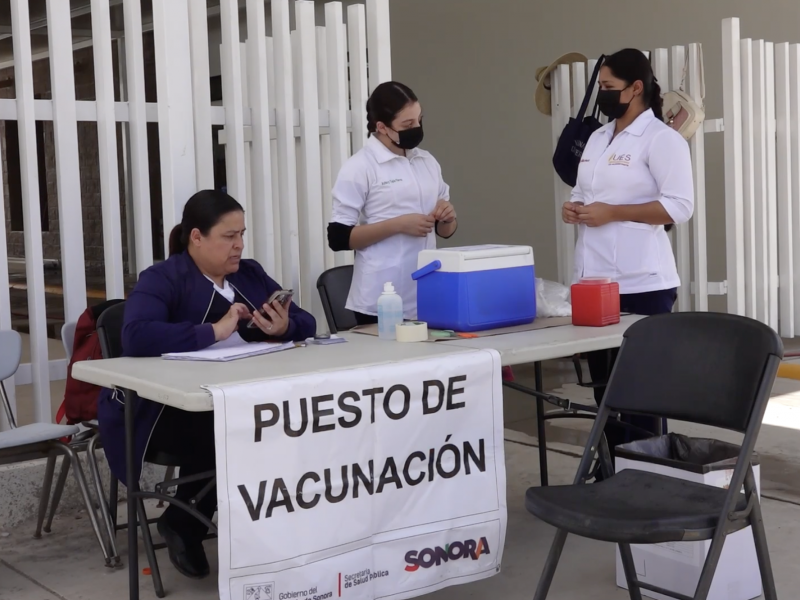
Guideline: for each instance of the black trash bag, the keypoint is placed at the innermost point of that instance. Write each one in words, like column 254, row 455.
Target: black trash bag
column 698, row 455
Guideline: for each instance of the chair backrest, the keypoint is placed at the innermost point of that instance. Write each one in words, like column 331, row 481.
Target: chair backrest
column 334, row 286
column 10, row 357
column 713, row 369
column 68, row 338
column 109, row 330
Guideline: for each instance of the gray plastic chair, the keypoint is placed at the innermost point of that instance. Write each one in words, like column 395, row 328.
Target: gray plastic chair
column 68, row 338
column 40, row 440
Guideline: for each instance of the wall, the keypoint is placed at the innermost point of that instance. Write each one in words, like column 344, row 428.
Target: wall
column 473, row 64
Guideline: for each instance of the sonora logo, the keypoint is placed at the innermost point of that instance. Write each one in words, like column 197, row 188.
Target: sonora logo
column 430, row 557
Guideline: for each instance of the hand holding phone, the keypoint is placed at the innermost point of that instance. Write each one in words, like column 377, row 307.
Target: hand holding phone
column 282, row 299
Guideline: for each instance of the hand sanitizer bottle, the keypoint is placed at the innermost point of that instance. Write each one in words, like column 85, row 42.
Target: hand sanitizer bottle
column 390, row 312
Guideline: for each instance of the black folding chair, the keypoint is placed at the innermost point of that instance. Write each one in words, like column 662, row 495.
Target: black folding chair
column 711, row 369
column 109, row 331
column 333, row 287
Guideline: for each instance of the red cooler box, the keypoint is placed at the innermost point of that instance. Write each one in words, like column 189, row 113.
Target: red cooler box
column 595, row 302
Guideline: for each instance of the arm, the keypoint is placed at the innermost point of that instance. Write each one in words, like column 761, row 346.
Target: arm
column 302, row 325
column 446, row 220
column 650, row 213
column 671, row 166
column 344, row 231
column 147, row 330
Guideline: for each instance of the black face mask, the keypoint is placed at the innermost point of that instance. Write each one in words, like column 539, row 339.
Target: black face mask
column 608, row 101
column 408, row 139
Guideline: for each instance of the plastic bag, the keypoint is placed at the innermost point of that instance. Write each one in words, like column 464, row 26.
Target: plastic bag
column 697, row 455
column 552, row 299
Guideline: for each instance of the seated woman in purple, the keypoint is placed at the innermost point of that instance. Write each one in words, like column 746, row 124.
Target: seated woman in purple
column 203, row 294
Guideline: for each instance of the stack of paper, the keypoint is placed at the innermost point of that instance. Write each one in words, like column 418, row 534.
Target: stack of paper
column 233, row 348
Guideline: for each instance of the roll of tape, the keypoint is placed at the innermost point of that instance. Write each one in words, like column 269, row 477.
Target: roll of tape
column 412, row 331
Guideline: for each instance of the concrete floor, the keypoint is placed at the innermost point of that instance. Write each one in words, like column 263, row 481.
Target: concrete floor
column 67, row 565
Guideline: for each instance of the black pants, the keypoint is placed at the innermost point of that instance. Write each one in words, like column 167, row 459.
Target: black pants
column 602, row 362
column 189, row 437
column 362, row 319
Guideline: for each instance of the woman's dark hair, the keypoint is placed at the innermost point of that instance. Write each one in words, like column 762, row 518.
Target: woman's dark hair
column 386, row 102
column 632, row 65
column 203, row 210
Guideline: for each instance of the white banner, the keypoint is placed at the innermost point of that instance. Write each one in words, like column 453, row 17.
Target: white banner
column 380, row 482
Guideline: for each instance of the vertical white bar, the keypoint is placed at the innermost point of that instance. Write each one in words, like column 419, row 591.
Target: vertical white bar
column 106, row 146
column 682, row 232
column 359, row 89
column 68, row 179
column 311, row 210
column 590, row 67
column 275, row 161
column 175, row 112
column 565, row 234
column 263, row 240
column 784, row 190
column 323, row 85
column 287, row 156
column 337, row 97
column 794, row 169
column 579, row 87
column 749, row 178
column 772, row 191
column 760, row 131
column 379, row 42
column 660, row 63
column 698, row 147
column 201, row 95
column 125, row 143
column 5, row 304
column 32, row 219
column 233, row 101
column 247, row 196
column 140, row 168
column 732, row 102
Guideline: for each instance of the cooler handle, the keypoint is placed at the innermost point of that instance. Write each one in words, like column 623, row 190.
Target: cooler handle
column 426, row 270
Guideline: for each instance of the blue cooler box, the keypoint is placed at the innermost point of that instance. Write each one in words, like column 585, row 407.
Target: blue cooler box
column 476, row 288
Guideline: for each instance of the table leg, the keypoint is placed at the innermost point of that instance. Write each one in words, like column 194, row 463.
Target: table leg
column 540, row 422
column 133, row 487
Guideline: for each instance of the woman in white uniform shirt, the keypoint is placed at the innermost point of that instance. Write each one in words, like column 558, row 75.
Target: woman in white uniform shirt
column 634, row 183
column 389, row 203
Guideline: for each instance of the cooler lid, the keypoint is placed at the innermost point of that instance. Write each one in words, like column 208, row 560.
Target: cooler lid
column 477, row 258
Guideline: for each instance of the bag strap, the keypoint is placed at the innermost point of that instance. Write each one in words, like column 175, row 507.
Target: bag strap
column 590, row 89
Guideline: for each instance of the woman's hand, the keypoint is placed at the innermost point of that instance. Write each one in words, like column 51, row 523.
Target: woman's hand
column 415, row 225
column 444, row 212
column 595, row 214
column 224, row 328
column 569, row 213
column 276, row 323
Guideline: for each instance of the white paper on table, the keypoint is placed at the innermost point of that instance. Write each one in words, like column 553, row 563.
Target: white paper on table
column 234, row 348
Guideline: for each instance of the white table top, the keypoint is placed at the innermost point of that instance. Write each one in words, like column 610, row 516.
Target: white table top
column 178, row 383
column 548, row 344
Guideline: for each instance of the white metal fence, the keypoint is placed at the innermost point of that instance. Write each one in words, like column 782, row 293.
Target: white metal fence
column 293, row 111
column 761, row 125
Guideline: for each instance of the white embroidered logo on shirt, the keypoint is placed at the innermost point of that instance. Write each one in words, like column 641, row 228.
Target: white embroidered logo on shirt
column 391, row 181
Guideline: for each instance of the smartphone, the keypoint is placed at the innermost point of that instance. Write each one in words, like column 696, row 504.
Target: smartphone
column 284, row 297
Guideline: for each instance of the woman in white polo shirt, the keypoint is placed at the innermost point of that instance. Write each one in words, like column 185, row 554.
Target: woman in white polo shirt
column 389, row 203
column 634, row 183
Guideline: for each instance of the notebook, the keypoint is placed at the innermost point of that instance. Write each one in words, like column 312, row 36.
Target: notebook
column 234, row 348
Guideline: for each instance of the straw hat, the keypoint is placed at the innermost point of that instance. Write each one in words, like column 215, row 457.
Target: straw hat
column 543, row 96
